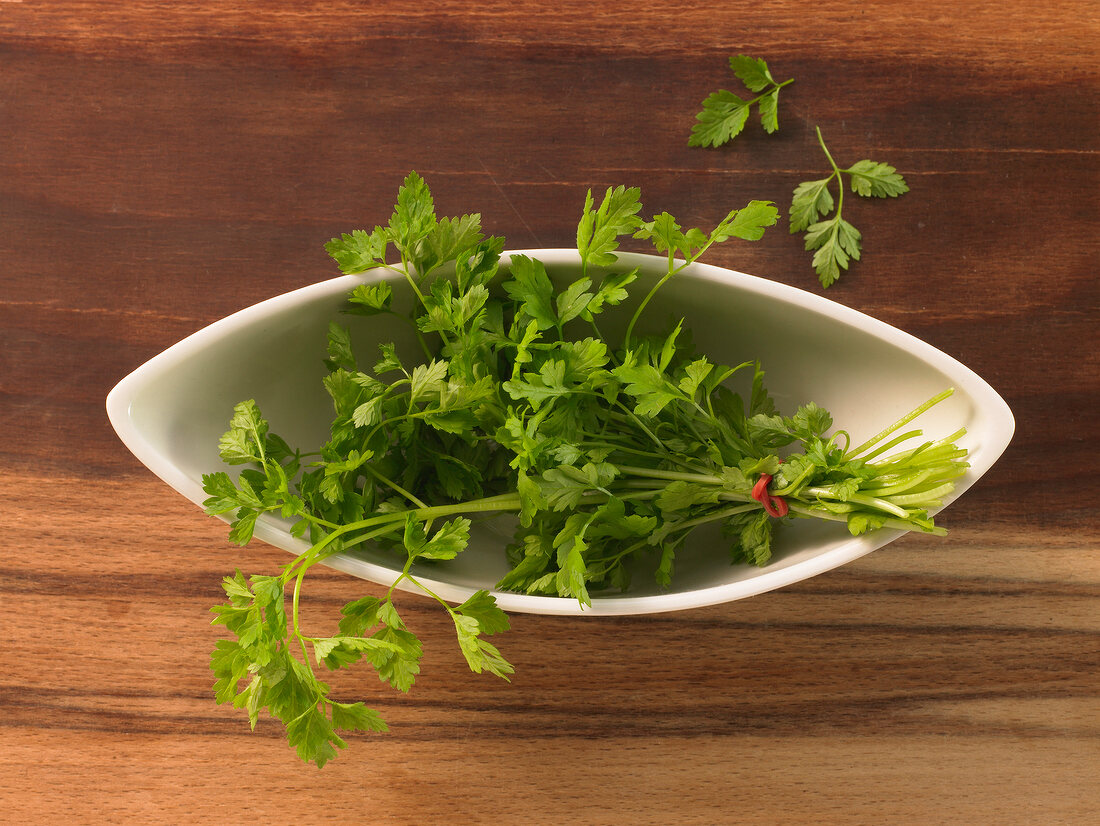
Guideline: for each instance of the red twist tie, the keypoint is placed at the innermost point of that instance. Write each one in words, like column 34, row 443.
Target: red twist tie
column 774, row 505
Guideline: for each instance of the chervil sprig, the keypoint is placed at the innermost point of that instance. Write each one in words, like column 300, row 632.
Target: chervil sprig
column 724, row 114
column 669, row 238
column 835, row 241
column 268, row 665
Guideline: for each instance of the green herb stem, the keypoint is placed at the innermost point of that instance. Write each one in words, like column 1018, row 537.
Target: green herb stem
column 393, row 485
column 897, row 524
column 836, row 171
column 671, row 475
column 904, row 420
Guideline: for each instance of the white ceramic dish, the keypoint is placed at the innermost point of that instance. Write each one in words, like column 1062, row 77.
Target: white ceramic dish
column 171, row 411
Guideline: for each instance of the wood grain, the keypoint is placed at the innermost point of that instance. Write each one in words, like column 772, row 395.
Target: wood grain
column 162, row 165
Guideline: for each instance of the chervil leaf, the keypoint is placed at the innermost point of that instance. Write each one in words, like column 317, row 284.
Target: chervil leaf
column 482, row 607
column 664, row 232
column 478, row 264
column 460, row 421
column 448, row 541
column 734, row 480
column 368, row 413
column 722, row 118
column 244, row 441
column 724, row 114
column 794, row 467
column 843, row 491
column 583, row 358
column 427, row 378
column 458, row 479
column 751, row 71
column 531, row 289
column 340, row 354
column 223, row 494
column 387, row 615
column 861, row 523
column 353, row 461
column 836, row 241
column 371, row 299
column 446, row 239
column 599, row 230
column 399, row 663
column 236, row 588
column 312, row 735
column 530, row 568
column 414, row 215
column 343, row 389
column 769, row 431
column 769, row 112
column 468, row 305
column 683, row 496
column 755, row 539
column 331, row 487
column 537, row 388
column 879, row 180
column 291, row 688
column 359, row 250
column 531, row 498
column 415, row 537
column 752, row 467
column 574, row 300
column 747, row 223
column 827, row 455
column 650, row 388
column 360, row 615
column 572, row 571
column 338, row 652
column 356, row 717
column 441, row 314
column 811, row 200
column 810, row 421
column 562, row 487
column 663, row 574
column 612, row 520
column 241, row 528
column 480, row 654
column 230, row 663
column 611, row 292
column 694, row 375
column 389, row 360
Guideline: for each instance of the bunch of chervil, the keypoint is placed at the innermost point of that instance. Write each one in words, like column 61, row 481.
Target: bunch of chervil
column 608, row 452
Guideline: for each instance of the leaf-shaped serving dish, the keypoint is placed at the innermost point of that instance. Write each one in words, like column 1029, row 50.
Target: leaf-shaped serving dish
column 171, row 411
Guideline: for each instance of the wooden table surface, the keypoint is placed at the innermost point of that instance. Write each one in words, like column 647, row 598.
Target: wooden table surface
column 164, row 164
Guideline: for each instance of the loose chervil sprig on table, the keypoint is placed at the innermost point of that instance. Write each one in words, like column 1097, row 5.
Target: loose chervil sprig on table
column 725, row 114
column 834, row 240
column 607, row 452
